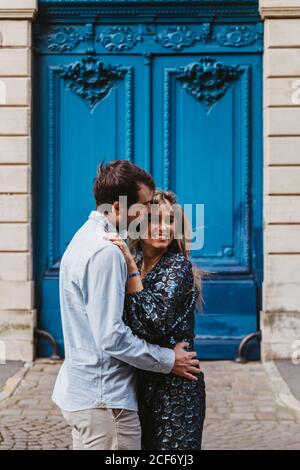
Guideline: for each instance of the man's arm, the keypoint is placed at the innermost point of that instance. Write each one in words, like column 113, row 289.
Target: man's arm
column 105, row 279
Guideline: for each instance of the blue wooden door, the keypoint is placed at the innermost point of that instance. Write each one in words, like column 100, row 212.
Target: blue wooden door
column 177, row 92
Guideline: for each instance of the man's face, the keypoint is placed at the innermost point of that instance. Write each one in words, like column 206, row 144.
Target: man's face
column 145, row 196
column 127, row 214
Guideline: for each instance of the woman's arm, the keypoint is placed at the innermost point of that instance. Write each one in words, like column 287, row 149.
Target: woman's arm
column 134, row 283
column 150, row 312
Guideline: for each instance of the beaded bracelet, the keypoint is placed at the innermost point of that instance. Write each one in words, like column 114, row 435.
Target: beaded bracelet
column 133, row 274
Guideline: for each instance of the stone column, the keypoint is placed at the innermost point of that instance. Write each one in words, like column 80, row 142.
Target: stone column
column 17, row 314
column 280, row 318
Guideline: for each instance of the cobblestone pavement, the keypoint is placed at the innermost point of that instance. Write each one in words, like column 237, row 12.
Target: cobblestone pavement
column 242, row 412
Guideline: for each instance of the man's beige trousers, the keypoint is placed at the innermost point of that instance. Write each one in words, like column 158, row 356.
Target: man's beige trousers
column 104, row 429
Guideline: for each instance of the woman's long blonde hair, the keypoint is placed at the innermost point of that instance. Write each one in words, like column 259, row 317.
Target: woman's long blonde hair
column 180, row 245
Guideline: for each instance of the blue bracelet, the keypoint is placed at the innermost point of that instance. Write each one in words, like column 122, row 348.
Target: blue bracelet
column 133, row 274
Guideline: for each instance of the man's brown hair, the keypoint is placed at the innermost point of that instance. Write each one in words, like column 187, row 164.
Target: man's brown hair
column 120, row 178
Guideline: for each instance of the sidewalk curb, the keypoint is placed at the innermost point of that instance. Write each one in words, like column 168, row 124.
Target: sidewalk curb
column 282, row 391
column 13, row 382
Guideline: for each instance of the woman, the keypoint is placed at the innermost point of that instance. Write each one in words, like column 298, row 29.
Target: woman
column 159, row 307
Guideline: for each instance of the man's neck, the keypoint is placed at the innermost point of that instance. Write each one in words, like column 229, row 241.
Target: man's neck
column 109, row 218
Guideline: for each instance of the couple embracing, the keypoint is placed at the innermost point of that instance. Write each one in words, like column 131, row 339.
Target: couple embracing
column 130, row 379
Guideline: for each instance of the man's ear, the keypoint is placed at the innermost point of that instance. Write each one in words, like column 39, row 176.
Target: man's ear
column 116, row 206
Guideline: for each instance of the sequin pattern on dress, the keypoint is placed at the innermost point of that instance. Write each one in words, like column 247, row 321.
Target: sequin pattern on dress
column 171, row 409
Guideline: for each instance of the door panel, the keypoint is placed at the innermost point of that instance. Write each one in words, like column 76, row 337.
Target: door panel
column 80, row 135
column 206, row 159
column 179, row 96
column 207, row 156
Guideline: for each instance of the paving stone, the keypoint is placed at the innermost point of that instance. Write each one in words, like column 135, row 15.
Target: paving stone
column 242, row 412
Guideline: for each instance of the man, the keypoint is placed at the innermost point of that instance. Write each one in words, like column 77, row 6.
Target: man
column 95, row 387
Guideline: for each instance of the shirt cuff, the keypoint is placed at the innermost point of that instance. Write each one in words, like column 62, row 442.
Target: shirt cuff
column 167, row 360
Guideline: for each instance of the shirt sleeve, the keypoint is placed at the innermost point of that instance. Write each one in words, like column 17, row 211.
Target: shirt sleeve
column 151, row 313
column 105, row 279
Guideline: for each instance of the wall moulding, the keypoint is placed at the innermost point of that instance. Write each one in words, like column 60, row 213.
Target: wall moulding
column 279, row 8
column 21, row 9
column 123, row 8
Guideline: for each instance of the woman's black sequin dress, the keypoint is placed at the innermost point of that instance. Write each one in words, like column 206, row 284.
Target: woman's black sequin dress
column 171, row 409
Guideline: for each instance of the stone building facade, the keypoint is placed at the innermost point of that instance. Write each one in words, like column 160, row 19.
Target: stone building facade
column 17, row 313
column 280, row 316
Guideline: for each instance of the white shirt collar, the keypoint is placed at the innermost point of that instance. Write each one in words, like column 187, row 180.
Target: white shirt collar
column 101, row 218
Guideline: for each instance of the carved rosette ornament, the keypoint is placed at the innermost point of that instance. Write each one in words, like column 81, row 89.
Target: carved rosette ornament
column 177, row 38
column 61, row 40
column 208, row 80
column 119, row 38
column 238, row 36
column 90, row 78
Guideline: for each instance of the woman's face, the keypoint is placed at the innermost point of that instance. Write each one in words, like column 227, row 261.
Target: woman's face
column 160, row 227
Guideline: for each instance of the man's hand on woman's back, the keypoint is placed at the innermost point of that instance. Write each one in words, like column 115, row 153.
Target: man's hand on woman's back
column 186, row 365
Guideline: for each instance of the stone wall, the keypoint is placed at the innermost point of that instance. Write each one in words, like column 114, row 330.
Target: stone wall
column 17, row 316
column 280, row 318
